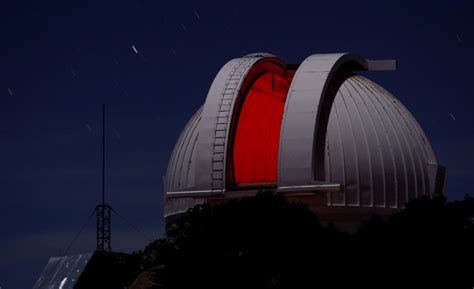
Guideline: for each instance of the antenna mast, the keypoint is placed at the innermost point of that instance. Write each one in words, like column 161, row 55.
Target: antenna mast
column 103, row 210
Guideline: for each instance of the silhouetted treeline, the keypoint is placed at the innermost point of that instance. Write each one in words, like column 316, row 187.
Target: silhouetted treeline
column 108, row 270
column 266, row 242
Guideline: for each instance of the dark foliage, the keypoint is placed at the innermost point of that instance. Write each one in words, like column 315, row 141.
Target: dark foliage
column 266, row 242
column 107, row 270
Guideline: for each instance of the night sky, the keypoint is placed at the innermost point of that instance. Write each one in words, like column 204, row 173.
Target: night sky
column 152, row 62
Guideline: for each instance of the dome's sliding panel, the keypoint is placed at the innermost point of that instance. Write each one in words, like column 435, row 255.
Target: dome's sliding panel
column 211, row 147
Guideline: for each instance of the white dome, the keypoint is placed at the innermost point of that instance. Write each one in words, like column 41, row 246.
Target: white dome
column 374, row 151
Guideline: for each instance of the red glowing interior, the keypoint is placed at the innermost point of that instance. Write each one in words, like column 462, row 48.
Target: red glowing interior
column 257, row 133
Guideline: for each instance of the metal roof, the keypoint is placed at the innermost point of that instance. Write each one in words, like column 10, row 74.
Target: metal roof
column 375, row 148
column 62, row 272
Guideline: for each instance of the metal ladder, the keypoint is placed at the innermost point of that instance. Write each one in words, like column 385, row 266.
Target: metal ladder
column 229, row 94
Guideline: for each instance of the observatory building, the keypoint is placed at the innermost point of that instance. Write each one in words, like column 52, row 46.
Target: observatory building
column 316, row 132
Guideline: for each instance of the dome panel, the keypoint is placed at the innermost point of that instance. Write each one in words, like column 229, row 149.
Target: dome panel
column 378, row 145
column 180, row 175
column 213, row 140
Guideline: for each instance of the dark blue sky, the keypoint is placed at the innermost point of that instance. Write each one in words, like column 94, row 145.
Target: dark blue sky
column 60, row 59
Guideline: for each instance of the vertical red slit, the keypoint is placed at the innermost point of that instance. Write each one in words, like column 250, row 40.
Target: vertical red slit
column 257, row 132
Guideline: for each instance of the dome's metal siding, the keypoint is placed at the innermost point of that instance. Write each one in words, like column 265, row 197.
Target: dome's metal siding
column 179, row 175
column 181, row 168
column 375, row 148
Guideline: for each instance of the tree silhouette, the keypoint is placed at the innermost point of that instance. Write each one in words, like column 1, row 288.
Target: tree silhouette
column 267, row 242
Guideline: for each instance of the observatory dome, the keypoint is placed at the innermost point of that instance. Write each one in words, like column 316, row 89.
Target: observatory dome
column 316, row 132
